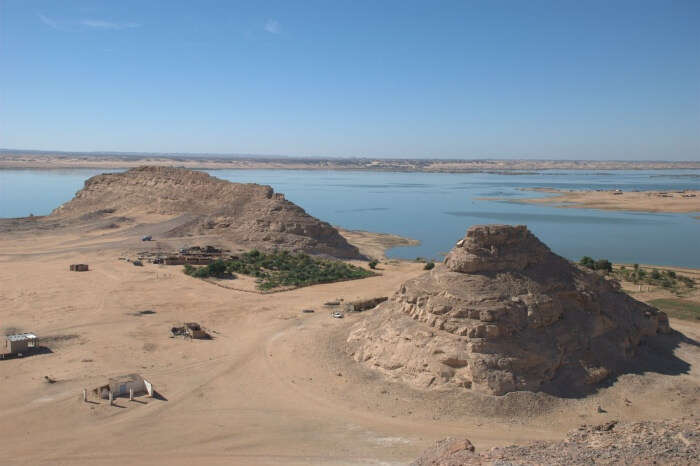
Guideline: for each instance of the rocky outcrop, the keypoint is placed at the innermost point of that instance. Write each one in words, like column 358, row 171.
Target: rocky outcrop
column 251, row 215
column 673, row 442
column 504, row 313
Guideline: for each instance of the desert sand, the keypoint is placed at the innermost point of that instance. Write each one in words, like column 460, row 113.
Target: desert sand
column 637, row 201
column 274, row 385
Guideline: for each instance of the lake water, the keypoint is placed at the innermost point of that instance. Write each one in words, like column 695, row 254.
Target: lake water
column 437, row 208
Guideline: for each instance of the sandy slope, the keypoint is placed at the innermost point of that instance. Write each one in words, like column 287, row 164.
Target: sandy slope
column 274, row 386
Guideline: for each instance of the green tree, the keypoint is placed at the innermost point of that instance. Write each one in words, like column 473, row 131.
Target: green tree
column 587, row 262
column 603, row 264
column 373, row 264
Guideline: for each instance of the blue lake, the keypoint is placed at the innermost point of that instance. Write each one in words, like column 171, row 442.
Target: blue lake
column 437, row 208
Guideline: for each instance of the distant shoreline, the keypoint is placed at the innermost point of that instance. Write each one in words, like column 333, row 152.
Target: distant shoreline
column 48, row 161
column 687, row 201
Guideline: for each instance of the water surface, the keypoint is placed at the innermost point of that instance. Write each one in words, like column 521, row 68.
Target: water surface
column 437, row 208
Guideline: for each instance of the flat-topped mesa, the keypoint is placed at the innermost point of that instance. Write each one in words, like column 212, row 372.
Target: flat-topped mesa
column 504, row 313
column 246, row 214
column 495, row 248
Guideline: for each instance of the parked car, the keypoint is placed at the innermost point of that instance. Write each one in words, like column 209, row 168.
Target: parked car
column 337, row 315
column 147, row 238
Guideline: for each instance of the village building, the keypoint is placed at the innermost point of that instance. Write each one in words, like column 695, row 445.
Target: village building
column 124, row 385
column 18, row 344
column 79, row 268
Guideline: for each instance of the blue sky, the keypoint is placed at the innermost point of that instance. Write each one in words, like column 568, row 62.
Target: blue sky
column 503, row 79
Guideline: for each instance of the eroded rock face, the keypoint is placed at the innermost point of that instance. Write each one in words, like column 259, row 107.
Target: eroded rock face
column 252, row 215
column 504, row 313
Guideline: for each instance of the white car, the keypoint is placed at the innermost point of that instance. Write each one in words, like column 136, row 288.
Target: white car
column 337, row 315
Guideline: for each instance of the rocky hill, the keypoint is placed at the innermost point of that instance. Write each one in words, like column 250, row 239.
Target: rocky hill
column 250, row 215
column 504, row 313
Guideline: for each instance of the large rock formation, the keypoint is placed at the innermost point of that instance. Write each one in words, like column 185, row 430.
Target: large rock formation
column 504, row 313
column 251, row 215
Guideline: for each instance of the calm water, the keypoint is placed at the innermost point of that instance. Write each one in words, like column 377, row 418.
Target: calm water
column 437, row 208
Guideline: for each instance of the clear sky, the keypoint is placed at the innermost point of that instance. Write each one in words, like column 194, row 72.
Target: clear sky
column 503, row 79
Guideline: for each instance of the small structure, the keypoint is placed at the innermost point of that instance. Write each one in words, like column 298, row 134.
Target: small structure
column 190, row 330
column 147, row 238
column 79, row 268
column 18, row 344
column 123, row 386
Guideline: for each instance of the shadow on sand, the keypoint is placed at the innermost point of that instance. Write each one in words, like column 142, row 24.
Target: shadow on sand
column 653, row 355
column 33, row 352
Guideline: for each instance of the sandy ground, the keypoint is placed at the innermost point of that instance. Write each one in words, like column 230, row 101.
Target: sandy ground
column 274, row 385
column 374, row 245
column 638, row 201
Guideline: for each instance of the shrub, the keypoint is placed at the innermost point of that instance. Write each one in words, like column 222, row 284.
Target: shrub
column 373, row 264
column 655, row 274
column 201, row 272
column 587, row 262
column 429, row 265
column 217, row 268
column 603, row 264
column 281, row 268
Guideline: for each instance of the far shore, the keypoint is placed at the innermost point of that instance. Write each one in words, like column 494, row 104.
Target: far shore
column 687, row 201
column 63, row 160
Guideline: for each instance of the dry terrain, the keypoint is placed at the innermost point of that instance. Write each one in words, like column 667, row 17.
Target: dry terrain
column 638, row 201
column 273, row 386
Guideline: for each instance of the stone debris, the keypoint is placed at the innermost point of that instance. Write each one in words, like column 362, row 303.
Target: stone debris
column 671, row 442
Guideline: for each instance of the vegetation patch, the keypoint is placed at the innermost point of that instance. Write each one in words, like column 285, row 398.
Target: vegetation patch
column 281, row 269
column 678, row 308
column 663, row 278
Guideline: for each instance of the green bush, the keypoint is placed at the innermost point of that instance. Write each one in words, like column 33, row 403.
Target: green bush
column 281, row 268
column 655, row 274
column 429, row 265
column 373, row 264
column 587, row 262
column 603, row 264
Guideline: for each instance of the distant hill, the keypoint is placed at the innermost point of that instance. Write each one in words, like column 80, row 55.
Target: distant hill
column 249, row 215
